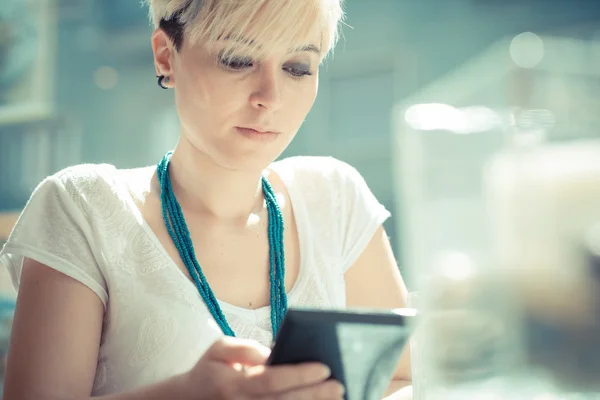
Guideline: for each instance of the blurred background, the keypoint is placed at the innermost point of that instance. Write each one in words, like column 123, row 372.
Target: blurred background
column 77, row 83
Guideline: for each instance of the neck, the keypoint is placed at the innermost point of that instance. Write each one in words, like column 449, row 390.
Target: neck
column 207, row 188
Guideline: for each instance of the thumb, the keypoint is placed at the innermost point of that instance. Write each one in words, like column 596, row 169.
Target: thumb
column 238, row 351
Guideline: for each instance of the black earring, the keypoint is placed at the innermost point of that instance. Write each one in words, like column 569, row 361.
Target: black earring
column 162, row 80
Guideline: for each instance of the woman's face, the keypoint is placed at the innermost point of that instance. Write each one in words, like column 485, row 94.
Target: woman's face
column 240, row 112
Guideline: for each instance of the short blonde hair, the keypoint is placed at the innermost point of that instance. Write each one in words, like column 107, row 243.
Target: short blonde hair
column 272, row 24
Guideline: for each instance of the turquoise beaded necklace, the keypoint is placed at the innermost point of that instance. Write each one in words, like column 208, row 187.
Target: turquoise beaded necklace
column 178, row 230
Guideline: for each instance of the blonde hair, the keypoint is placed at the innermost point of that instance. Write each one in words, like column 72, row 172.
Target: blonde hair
column 271, row 24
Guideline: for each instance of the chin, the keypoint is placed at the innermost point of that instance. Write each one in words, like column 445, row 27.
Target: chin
column 250, row 161
column 252, row 155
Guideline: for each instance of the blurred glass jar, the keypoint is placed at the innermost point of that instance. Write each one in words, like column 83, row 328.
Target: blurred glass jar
column 489, row 241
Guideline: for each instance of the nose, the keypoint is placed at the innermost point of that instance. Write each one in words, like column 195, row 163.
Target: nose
column 267, row 92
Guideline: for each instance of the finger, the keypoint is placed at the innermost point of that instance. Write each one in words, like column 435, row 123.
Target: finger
column 238, row 351
column 281, row 378
column 322, row 391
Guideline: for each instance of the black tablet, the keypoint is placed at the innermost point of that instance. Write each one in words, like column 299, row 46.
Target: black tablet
column 362, row 348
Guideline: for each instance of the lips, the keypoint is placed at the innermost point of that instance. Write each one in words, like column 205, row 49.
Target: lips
column 258, row 133
column 258, row 129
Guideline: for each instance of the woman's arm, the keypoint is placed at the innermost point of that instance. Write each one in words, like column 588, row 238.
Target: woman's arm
column 54, row 352
column 55, row 339
column 399, row 390
column 374, row 281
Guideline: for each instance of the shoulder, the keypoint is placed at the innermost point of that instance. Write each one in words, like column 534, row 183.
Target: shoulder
column 331, row 180
column 324, row 170
column 82, row 177
column 326, row 182
column 323, row 177
column 78, row 185
column 338, row 204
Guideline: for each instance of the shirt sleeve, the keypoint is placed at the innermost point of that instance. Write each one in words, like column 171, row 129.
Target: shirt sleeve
column 361, row 214
column 54, row 230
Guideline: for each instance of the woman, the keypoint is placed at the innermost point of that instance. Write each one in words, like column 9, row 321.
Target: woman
column 119, row 271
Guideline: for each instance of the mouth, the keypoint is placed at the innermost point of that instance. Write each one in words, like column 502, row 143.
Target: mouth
column 257, row 130
column 258, row 134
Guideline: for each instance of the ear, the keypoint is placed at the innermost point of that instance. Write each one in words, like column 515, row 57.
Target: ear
column 164, row 52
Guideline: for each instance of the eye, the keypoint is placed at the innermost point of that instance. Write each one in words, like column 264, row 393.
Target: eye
column 298, row 71
column 235, row 63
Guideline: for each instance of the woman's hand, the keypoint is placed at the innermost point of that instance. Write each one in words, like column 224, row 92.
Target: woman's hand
column 235, row 369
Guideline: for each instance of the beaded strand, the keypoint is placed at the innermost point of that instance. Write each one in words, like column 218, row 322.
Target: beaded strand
column 179, row 232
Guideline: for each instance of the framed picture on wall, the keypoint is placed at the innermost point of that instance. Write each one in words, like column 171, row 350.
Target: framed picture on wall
column 28, row 35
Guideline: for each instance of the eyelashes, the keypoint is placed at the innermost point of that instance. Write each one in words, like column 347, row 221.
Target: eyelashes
column 298, row 72
column 235, row 63
column 238, row 64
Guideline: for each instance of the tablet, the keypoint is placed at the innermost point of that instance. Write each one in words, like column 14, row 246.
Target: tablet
column 362, row 348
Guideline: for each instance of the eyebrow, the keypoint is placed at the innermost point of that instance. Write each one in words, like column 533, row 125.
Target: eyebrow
column 311, row 48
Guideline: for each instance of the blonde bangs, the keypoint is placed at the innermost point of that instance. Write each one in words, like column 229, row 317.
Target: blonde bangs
column 262, row 27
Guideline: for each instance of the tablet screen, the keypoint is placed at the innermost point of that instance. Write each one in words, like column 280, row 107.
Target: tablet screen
column 361, row 348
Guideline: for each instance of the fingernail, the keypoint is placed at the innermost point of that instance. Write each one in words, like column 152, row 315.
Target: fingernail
column 325, row 372
column 341, row 389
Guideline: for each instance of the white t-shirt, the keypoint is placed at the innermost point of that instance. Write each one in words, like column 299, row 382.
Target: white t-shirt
column 84, row 223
